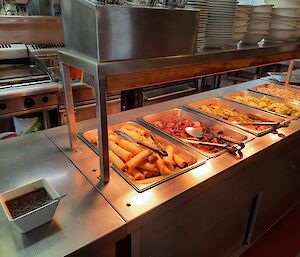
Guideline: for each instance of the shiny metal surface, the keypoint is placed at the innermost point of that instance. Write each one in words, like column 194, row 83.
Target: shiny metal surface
column 158, row 95
column 81, row 217
column 151, row 204
column 17, row 105
column 99, row 83
column 193, row 158
column 69, row 105
column 12, row 51
column 293, row 89
column 27, row 91
column 162, row 72
column 289, row 73
column 45, row 49
column 115, row 32
column 228, row 130
column 258, row 95
column 130, row 74
column 239, row 108
column 30, row 29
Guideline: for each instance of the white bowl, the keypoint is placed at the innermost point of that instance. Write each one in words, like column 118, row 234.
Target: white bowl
column 253, row 38
column 296, row 34
column 262, row 9
column 287, row 12
column 281, row 3
column 237, row 37
column 280, row 34
column 245, row 8
column 241, row 15
column 241, row 29
column 260, row 16
column 258, row 26
column 241, row 22
column 211, row 42
column 286, row 18
column 277, row 24
column 37, row 217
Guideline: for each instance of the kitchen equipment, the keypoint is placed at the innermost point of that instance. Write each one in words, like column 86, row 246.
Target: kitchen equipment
column 161, row 151
column 28, row 80
column 241, row 109
column 257, row 123
column 196, row 133
column 167, row 92
column 116, row 21
column 193, row 157
column 14, row 7
column 259, row 24
column 37, row 217
column 228, row 131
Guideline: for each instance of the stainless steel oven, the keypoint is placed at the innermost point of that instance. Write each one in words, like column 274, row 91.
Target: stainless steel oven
column 168, row 92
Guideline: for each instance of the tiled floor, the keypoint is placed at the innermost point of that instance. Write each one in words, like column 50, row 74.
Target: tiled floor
column 282, row 240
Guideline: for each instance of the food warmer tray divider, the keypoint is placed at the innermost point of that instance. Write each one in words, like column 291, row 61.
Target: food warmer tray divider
column 297, row 90
column 186, row 113
column 240, row 108
column 256, row 94
column 141, row 185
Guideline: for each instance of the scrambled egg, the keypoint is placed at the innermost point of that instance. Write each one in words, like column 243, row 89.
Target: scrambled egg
column 269, row 105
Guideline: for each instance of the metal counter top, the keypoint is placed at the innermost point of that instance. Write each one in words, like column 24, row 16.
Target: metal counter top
column 152, row 203
column 82, row 217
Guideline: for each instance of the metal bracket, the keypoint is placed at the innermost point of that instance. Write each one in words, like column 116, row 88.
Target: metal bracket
column 90, row 67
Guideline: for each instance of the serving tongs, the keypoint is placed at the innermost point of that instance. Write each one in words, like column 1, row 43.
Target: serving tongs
column 260, row 123
column 198, row 134
column 158, row 149
column 223, row 138
column 275, row 125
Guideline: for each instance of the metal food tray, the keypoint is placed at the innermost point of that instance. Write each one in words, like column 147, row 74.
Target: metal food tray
column 258, row 95
column 240, row 108
column 193, row 157
column 228, row 130
column 254, row 89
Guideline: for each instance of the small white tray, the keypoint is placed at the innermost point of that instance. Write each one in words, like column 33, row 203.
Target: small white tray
column 36, row 217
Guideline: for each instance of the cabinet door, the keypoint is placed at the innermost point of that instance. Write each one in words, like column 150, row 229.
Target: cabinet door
column 281, row 189
column 212, row 224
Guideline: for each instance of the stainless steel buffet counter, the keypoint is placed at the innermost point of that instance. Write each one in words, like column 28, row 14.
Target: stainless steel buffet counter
column 82, row 216
column 205, row 204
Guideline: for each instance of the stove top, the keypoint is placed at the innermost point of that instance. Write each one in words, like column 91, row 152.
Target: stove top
column 13, row 51
column 45, row 49
column 17, row 75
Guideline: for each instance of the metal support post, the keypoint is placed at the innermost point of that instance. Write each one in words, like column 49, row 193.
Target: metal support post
column 289, row 73
column 69, row 105
column 100, row 91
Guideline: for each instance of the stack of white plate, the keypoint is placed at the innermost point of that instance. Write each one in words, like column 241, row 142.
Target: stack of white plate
column 285, row 24
column 202, row 6
column 241, row 23
column 259, row 24
column 221, row 18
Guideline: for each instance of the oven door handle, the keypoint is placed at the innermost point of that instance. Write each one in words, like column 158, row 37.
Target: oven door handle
column 169, row 94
